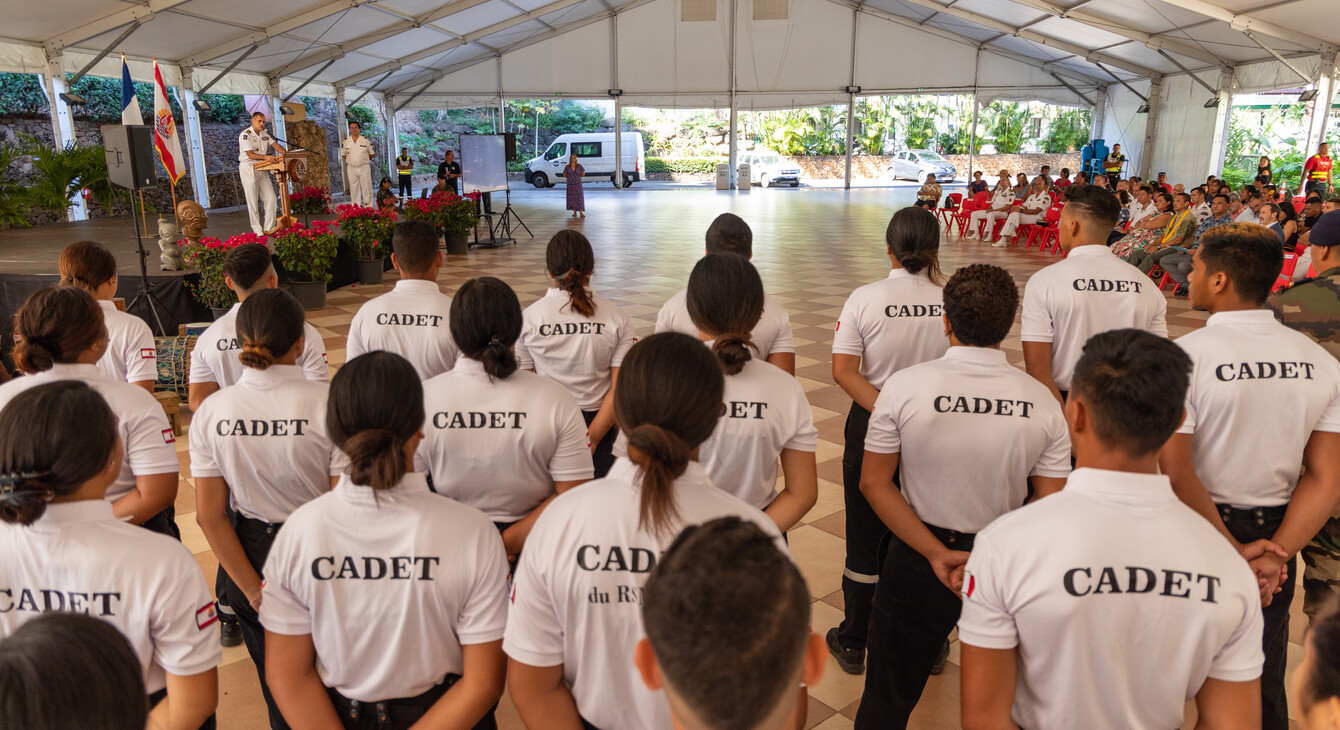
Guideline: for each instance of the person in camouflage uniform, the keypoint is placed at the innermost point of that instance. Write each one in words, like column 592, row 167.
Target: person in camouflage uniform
column 1312, row 306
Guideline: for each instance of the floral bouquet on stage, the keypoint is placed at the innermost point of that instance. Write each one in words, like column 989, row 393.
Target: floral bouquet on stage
column 307, row 251
column 366, row 229
column 449, row 213
column 310, row 201
column 206, row 257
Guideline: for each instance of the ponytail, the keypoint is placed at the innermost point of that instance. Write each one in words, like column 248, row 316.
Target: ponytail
column 725, row 300
column 376, row 458
column 485, row 323
column 733, row 351
column 913, row 237
column 56, row 326
column 269, row 323
column 375, row 409
column 571, row 261
column 661, row 457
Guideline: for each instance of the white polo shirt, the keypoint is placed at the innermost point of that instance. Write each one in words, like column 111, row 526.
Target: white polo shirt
column 266, row 436
column 146, row 435
column 1203, row 212
column 577, row 592
column 131, row 353
column 892, row 324
column 771, row 334
column 413, row 320
column 1258, row 391
column 1088, row 292
column 1139, row 211
column 499, row 445
column 764, row 411
column 575, row 351
column 390, row 585
column 970, row 429
column 252, row 141
column 1121, row 600
column 79, row 558
column 214, row 359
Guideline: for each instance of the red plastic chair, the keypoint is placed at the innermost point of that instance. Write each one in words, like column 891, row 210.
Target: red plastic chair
column 979, row 201
column 1286, row 274
column 953, row 202
column 1043, row 229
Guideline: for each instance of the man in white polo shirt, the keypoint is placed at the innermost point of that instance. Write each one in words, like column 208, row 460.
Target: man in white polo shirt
column 1088, row 292
column 412, row 320
column 1111, row 604
column 1263, row 400
column 969, row 431
column 772, row 335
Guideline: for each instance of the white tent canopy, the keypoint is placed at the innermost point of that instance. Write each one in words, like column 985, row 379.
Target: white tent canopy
column 737, row 54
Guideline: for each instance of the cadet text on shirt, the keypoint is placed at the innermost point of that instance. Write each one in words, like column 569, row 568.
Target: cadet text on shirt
column 892, row 324
column 412, row 320
column 575, row 351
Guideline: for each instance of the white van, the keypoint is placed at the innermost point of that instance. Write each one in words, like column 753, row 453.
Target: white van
column 595, row 153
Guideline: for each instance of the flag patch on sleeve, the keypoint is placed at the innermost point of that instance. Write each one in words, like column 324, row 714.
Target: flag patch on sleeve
column 206, row 616
column 168, row 437
column 146, row 353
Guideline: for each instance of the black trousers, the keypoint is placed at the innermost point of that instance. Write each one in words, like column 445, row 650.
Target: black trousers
column 913, row 615
column 604, row 453
column 1260, row 524
column 164, row 523
column 397, row 714
column 866, row 534
column 256, row 537
column 406, row 188
column 210, row 724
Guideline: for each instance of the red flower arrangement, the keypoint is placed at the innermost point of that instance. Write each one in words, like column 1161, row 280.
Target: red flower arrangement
column 307, row 251
column 310, row 200
column 450, row 213
column 365, row 229
column 206, row 257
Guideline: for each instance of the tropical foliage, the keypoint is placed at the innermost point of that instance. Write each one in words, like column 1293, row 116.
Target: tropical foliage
column 1068, row 131
column 918, row 114
column 1254, row 135
column 13, row 198
column 1008, row 123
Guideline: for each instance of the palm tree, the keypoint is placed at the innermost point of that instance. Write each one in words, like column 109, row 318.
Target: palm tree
column 14, row 201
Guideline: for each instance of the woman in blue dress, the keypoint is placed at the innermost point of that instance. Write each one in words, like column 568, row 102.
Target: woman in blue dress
column 576, row 197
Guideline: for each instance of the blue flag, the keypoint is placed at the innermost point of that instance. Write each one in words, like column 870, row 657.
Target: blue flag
column 130, row 106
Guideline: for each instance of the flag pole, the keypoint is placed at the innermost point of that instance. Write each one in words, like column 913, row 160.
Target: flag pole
column 172, row 186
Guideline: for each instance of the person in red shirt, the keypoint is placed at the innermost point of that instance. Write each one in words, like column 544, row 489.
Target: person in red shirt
column 1163, row 183
column 1317, row 172
column 1064, row 180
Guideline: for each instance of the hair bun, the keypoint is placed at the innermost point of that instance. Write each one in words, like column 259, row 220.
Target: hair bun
column 256, row 355
column 733, row 350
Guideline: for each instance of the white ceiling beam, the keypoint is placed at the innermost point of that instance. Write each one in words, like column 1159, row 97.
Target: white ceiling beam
column 1125, row 31
column 205, row 55
column 1244, row 21
column 325, row 56
column 141, row 13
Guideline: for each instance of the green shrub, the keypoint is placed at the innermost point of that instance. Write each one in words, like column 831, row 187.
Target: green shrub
column 21, row 94
column 700, row 165
column 225, row 108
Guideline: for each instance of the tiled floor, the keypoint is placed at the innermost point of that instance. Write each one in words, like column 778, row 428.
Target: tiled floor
column 812, row 248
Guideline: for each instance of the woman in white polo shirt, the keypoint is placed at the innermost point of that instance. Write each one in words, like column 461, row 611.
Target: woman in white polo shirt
column 260, row 447
column 65, row 549
column 383, row 603
column 60, row 335
column 130, row 352
column 499, row 439
column 766, row 414
column 576, row 601
column 578, row 339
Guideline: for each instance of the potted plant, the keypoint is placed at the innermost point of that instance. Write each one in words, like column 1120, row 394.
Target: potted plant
column 206, row 257
column 368, row 232
column 310, row 201
column 307, row 253
column 454, row 216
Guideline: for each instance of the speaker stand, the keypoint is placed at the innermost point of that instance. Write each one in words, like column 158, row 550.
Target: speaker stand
column 150, row 299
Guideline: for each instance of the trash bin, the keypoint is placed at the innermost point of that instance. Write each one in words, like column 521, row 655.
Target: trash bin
column 723, row 176
column 744, row 180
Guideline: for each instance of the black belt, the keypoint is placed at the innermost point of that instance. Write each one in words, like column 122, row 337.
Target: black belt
column 1258, row 514
column 386, row 711
column 255, row 526
column 952, row 538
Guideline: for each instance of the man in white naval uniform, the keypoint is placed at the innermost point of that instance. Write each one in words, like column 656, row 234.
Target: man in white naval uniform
column 358, row 152
column 254, row 146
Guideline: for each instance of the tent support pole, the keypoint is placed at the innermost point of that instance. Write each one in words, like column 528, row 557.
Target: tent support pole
column 194, row 140
column 392, row 142
column 1151, row 127
column 62, row 124
column 851, row 101
column 1099, row 113
column 972, row 135
column 1222, row 119
column 1321, row 106
column 618, row 103
column 342, row 131
column 734, row 107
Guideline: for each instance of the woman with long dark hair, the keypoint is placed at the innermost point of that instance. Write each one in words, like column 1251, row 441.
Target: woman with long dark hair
column 576, row 610
column 384, row 603
column 500, row 439
column 66, row 550
column 578, row 339
column 60, row 335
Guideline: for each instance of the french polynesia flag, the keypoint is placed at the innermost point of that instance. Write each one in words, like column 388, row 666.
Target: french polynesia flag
column 165, row 130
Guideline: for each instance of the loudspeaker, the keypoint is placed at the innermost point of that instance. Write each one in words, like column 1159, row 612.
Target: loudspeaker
column 510, row 143
column 130, row 155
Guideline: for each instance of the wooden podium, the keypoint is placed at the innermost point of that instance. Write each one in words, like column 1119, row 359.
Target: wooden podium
column 293, row 165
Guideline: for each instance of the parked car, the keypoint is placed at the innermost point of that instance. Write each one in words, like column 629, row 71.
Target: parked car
column 595, row 153
column 768, row 168
column 917, row 164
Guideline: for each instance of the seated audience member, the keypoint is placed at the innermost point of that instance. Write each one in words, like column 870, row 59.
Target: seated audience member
column 1272, row 217
column 929, row 194
column 1177, row 262
column 1178, row 189
column 1162, row 182
column 1308, row 306
column 1002, row 198
column 1046, row 174
column 978, row 185
column 1291, row 225
column 1035, row 205
column 1313, row 207
column 1064, row 180
column 731, row 645
column 386, row 197
column 1146, row 229
column 1020, row 186
column 1251, row 203
column 413, row 320
column 772, row 338
column 1143, row 206
column 1177, row 231
column 1101, row 181
column 1316, row 681
column 65, row 670
column 1123, row 186
column 1200, row 205
column 1082, row 178
column 1043, row 648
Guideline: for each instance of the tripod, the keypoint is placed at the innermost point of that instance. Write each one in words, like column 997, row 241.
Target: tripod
column 151, row 300
column 509, row 214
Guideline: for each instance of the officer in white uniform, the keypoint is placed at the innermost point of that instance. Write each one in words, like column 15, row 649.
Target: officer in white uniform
column 254, row 145
column 130, row 345
column 884, row 327
column 1088, row 292
column 496, row 438
column 413, row 320
column 1112, row 602
column 1002, row 198
column 397, row 596
column 63, row 336
column 65, row 549
column 772, row 336
column 970, row 431
column 577, row 339
column 272, row 417
column 1250, row 369
column 1038, row 201
column 576, row 599
column 214, row 362
column 357, row 152
column 765, row 414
